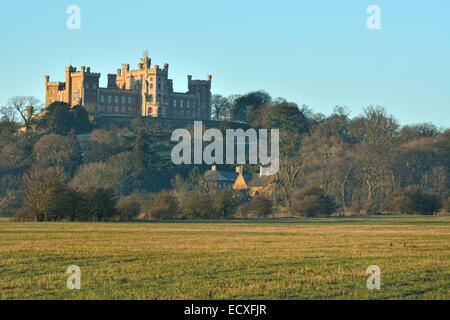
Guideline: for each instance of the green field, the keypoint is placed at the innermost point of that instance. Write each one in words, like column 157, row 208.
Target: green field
column 278, row 259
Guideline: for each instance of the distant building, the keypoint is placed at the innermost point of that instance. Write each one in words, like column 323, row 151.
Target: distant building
column 239, row 180
column 145, row 91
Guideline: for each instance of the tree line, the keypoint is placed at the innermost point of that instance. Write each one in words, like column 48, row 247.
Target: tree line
column 65, row 167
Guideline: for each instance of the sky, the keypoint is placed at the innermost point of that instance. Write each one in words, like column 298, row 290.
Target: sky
column 315, row 53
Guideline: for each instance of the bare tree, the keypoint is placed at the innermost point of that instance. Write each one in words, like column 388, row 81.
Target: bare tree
column 18, row 105
column 220, row 106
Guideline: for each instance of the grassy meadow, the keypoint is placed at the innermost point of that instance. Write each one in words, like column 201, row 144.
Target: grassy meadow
column 249, row 259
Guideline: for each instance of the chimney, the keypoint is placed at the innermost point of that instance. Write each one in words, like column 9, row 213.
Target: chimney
column 213, row 168
column 239, row 169
column 260, row 170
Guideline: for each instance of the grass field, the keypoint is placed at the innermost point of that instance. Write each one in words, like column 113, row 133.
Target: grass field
column 281, row 259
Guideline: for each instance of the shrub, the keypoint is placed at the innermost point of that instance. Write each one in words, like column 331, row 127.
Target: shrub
column 95, row 204
column 164, row 206
column 198, row 206
column 446, row 205
column 313, row 202
column 224, row 203
column 127, row 208
column 260, row 206
column 414, row 201
column 243, row 211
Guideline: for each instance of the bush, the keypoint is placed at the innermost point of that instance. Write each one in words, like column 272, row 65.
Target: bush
column 95, row 204
column 224, row 203
column 414, row 201
column 446, row 205
column 198, row 206
column 164, row 206
column 260, row 206
column 313, row 202
column 243, row 211
column 127, row 208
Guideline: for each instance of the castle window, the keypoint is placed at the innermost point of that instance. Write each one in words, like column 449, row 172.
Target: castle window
column 109, row 109
column 129, row 100
column 187, row 103
column 123, row 109
column 94, row 86
column 149, row 110
column 194, row 104
column 116, row 109
column 102, row 98
column 151, row 98
column 130, row 110
column 116, row 99
column 109, row 99
column 159, row 86
column 181, row 103
column 51, row 91
column 151, row 85
column 86, row 85
column 123, row 99
column 174, row 102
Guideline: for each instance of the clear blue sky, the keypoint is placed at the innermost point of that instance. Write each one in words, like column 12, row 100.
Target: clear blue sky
column 319, row 53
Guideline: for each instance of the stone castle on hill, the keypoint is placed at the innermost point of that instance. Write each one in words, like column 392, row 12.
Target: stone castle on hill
column 145, row 91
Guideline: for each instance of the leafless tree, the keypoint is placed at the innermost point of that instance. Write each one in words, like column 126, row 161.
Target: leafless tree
column 18, row 105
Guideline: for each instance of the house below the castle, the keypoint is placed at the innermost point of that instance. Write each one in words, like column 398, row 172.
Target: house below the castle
column 238, row 180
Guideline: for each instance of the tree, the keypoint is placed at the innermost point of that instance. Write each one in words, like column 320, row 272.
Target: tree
column 57, row 118
column 247, row 103
column 81, row 121
column 198, row 206
column 224, row 203
column 260, row 206
column 313, row 202
column 101, row 145
column 47, row 196
column 60, row 118
column 95, row 204
column 18, row 105
column 58, row 150
column 164, row 206
column 413, row 201
column 116, row 174
column 375, row 127
column 220, row 106
column 127, row 208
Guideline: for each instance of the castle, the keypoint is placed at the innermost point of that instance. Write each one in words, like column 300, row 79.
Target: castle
column 145, row 91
